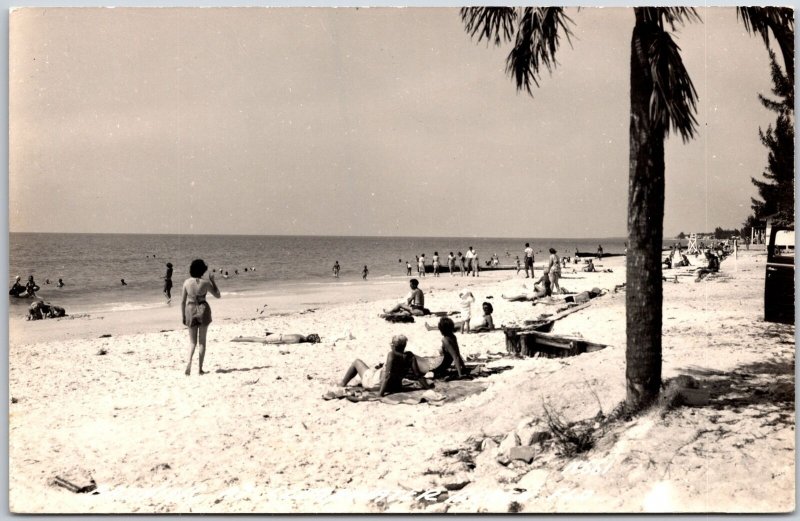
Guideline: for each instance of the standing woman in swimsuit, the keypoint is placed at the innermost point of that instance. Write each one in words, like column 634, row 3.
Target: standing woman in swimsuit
column 196, row 311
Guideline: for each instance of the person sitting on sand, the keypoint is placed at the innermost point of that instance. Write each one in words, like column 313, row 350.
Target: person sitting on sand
column 60, row 283
column 414, row 303
column 449, row 353
column 541, row 289
column 713, row 266
column 589, row 268
column 387, row 378
column 485, row 323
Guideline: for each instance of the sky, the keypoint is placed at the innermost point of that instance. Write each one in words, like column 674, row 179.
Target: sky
column 379, row 121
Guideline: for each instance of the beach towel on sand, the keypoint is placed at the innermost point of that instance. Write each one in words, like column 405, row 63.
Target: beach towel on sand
column 448, row 390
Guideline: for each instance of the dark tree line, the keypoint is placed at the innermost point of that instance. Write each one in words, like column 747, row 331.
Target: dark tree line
column 776, row 189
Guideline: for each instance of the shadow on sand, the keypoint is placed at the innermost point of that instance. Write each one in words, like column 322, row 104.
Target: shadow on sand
column 767, row 382
column 234, row 370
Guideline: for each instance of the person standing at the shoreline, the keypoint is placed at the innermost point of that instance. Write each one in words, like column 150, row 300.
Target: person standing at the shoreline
column 364, row 272
column 436, row 264
column 528, row 259
column 476, row 264
column 408, row 268
column 451, row 263
column 167, row 283
column 461, row 263
column 195, row 308
column 469, row 256
column 421, row 265
column 555, row 272
column 336, row 269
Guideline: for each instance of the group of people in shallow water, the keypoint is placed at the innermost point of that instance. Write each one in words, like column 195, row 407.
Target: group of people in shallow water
column 465, row 263
column 39, row 309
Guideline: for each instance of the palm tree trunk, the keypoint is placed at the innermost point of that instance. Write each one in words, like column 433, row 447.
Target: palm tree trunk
column 645, row 230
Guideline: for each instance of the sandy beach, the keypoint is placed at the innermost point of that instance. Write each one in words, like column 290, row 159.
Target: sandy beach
column 255, row 435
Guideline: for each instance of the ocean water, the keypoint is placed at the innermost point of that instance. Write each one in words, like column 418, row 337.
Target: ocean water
column 92, row 265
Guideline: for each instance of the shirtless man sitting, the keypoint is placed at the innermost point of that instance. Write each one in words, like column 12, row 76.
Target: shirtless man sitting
column 387, row 378
column 414, row 303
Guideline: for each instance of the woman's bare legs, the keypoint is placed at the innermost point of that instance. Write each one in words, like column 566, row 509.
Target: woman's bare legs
column 356, row 368
column 193, row 330
column 202, row 341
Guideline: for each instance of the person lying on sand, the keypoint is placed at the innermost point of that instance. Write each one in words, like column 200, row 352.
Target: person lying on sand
column 40, row 310
column 449, row 353
column 485, row 323
column 291, row 338
column 387, row 378
column 541, row 288
column 281, row 338
column 414, row 303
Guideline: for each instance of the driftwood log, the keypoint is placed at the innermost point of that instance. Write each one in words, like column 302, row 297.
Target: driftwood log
column 535, row 340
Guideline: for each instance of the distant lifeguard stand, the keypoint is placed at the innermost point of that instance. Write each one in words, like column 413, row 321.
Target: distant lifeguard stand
column 692, row 246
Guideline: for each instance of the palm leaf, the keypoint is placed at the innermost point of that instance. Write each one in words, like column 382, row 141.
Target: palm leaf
column 759, row 20
column 673, row 101
column 492, row 23
column 778, row 20
column 536, row 43
column 672, row 16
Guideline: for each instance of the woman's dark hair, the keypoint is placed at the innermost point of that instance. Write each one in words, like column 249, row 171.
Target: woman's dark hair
column 436, row 253
column 488, row 307
column 552, row 250
column 169, row 265
column 446, row 326
column 197, row 268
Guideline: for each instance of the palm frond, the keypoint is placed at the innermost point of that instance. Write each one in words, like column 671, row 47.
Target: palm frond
column 760, row 20
column 672, row 16
column 778, row 20
column 538, row 37
column 493, row 23
column 673, row 101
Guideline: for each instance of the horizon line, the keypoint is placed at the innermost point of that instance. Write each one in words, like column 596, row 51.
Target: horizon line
column 319, row 235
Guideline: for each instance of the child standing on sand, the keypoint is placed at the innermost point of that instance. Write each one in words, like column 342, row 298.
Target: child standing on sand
column 466, row 309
